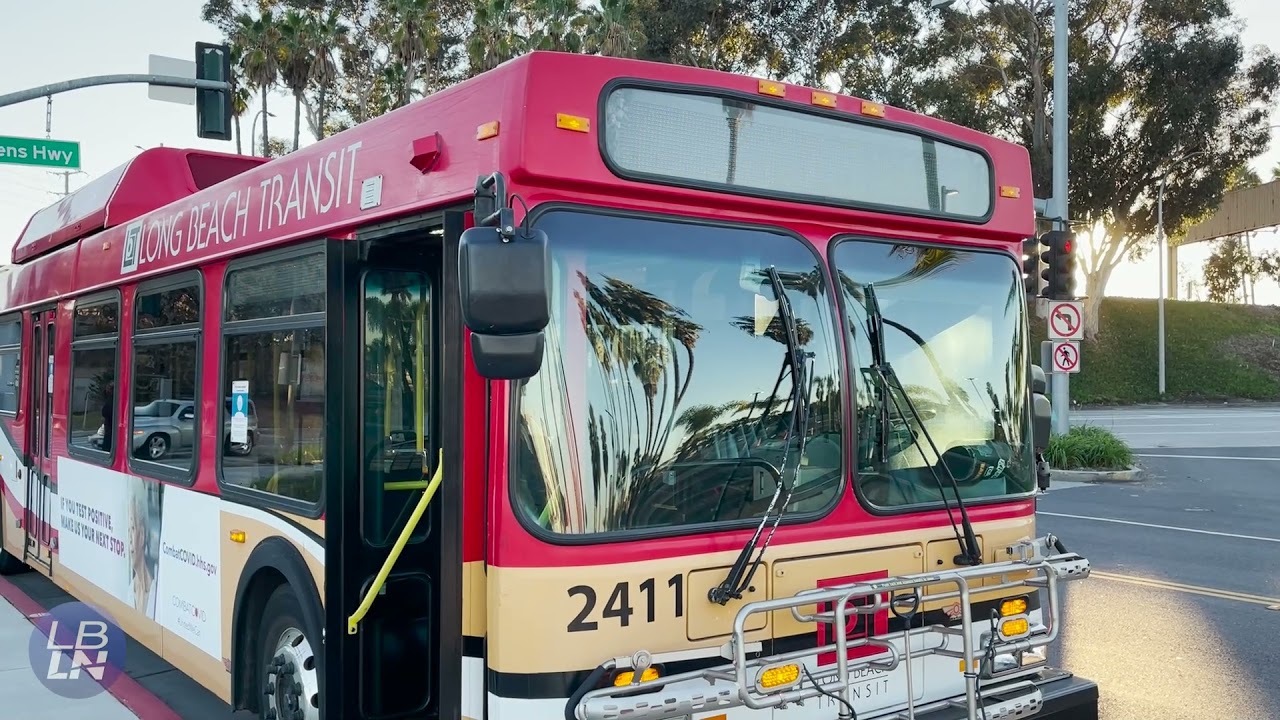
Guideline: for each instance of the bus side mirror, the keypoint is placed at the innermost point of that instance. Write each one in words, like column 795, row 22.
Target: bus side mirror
column 1038, row 382
column 1041, row 410
column 504, row 283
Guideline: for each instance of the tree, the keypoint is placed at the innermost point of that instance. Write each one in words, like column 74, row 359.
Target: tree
column 241, row 95
column 1227, row 269
column 1159, row 89
column 613, row 29
column 556, row 25
column 297, row 58
column 496, row 36
column 259, row 40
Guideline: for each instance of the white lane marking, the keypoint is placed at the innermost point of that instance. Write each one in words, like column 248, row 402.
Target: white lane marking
column 1156, row 424
column 1100, row 419
column 1208, row 457
column 1204, row 432
column 1161, row 527
column 1271, row 603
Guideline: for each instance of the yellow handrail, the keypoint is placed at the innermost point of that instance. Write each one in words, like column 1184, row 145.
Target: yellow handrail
column 353, row 622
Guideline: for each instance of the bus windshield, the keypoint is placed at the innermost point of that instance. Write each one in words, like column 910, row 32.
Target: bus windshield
column 665, row 387
column 953, row 336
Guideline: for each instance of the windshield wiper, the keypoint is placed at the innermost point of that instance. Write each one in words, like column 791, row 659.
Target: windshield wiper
column 744, row 567
column 969, row 553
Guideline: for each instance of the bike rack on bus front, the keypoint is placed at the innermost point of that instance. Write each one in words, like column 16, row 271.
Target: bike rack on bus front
column 745, row 681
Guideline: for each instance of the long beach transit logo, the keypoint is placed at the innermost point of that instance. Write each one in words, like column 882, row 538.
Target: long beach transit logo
column 76, row 650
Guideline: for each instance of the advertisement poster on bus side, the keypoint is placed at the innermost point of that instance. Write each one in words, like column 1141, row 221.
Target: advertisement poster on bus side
column 109, row 527
column 190, row 588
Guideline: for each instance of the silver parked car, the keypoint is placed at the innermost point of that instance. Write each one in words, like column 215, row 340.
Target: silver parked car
column 162, row 426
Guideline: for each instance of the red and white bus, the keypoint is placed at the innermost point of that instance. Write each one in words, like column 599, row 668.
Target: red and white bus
column 588, row 388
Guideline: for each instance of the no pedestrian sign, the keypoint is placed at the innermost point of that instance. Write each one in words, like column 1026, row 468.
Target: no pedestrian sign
column 1066, row 321
column 1066, row 357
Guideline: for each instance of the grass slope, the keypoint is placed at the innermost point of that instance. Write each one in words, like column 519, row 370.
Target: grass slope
column 1213, row 352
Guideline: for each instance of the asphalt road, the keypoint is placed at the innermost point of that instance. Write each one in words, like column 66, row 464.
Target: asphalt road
column 1176, row 620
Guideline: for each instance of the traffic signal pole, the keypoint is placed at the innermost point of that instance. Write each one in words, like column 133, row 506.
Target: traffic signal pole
column 1060, row 384
column 211, row 83
column 78, row 83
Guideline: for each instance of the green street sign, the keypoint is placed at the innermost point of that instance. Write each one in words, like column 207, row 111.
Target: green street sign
column 39, row 152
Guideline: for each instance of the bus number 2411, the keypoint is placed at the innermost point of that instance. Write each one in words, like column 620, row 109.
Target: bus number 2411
column 619, row 603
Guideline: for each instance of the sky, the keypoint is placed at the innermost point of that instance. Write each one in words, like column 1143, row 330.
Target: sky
column 112, row 123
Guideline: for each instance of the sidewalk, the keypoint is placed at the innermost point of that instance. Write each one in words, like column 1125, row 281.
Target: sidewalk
column 22, row 693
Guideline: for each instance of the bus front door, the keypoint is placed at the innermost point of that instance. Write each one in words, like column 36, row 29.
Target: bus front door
column 391, row 436
column 39, row 512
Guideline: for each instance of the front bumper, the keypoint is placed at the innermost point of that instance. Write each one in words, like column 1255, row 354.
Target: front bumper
column 775, row 680
column 1064, row 697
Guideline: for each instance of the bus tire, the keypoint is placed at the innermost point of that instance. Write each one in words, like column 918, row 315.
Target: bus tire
column 10, row 565
column 290, row 675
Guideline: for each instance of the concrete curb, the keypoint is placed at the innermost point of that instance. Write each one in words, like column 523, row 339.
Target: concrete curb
column 125, row 688
column 1132, row 474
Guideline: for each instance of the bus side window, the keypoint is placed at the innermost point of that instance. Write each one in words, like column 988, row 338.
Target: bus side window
column 10, row 364
column 93, row 426
column 273, row 349
column 166, row 378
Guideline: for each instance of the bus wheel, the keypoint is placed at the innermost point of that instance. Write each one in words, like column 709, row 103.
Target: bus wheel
column 290, row 674
column 10, row 565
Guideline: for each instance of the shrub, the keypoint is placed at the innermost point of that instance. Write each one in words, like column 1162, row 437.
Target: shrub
column 1088, row 447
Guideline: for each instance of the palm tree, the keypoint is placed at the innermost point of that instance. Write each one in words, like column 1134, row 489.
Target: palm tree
column 260, row 39
column 415, row 37
column 558, row 25
column 241, row 95
column 296, row 61
column 737, row 114
column 494, row 38
column 614, row 30
column 328, row 34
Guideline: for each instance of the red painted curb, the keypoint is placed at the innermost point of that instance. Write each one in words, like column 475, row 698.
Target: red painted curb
column 125, row 689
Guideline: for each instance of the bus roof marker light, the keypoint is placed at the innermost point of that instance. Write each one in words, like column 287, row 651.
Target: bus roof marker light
column 824, row 99
column 873, row 109
column 769, row 87
column 487, row 130
column 1010, row 191
column 426, row 152
column 576, row 123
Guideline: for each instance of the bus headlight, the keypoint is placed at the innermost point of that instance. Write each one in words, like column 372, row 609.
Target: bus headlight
column 1014, row 606
column 777, row 677
column 1012, row 628
column 626, row 677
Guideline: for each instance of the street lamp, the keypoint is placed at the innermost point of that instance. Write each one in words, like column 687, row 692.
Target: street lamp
column 253, row 134
column 1162, row 261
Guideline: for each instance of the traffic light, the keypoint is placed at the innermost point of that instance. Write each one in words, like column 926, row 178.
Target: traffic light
column 1060, row 275
column 213, row 107
column 1031, row 266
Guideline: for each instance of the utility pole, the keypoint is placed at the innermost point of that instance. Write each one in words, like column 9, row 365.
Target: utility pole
column 1061, row 383
column 66, row 181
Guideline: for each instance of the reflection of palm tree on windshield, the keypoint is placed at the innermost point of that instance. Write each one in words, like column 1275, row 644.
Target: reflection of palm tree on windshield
column 635, row 335
column 737, row 113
